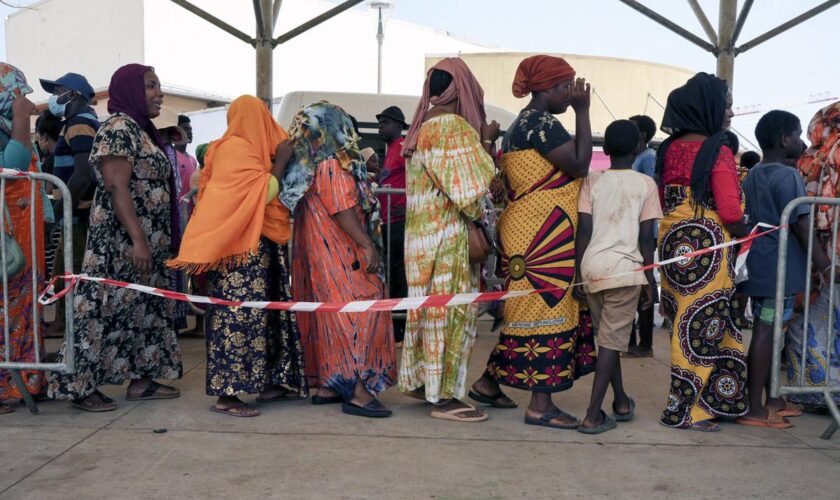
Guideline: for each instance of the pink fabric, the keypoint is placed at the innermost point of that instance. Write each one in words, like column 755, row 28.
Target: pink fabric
column 465, row 88
column 187, row 165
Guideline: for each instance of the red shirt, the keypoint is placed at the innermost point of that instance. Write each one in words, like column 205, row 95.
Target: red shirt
column 393, row 176
column 726, row 189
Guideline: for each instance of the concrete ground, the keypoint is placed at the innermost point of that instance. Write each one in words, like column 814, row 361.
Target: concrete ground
column 296, row 450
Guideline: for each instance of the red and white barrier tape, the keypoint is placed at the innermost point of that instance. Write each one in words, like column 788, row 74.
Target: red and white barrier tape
column 49, row 295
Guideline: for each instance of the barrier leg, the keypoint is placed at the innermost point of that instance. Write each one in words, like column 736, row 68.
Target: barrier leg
column 832, row 408
column 27, row 398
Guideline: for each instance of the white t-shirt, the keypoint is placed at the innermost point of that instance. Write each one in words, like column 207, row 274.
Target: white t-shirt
column 618, row 201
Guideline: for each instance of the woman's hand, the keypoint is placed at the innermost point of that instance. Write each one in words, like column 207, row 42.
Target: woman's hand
column 490, row 132
column 580, row 95
column 141, row 256
column 372, row 258
column 282, row 155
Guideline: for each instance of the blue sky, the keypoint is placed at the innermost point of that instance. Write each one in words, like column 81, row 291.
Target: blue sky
column 786, row 72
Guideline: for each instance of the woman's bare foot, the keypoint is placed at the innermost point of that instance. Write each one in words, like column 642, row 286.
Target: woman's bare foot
column 233, row 406
column 448, row 405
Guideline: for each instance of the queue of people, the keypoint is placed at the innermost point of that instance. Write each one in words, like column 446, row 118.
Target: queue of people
column 148, row 214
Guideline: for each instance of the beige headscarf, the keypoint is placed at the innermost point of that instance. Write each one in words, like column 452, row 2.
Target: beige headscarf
column 464, row 87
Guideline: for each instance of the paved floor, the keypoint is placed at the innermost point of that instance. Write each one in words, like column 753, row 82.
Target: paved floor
column 295, row 450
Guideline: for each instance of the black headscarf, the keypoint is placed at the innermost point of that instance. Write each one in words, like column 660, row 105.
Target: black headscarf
column 699, row 106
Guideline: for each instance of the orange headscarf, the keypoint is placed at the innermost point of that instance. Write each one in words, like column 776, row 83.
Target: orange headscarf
column 231, row 213
column 541, row 72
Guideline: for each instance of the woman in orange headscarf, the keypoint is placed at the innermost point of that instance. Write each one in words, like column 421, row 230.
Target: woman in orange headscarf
column 547, row 342
column 238, row 232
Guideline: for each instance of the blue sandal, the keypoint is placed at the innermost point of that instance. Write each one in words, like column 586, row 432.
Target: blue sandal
column 625, row 417
column 608, row 424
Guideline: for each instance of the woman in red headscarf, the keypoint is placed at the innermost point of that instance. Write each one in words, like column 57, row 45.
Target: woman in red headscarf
column 547, row 340
column 120, row 334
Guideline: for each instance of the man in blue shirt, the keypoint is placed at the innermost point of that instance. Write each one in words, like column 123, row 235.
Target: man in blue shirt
column 70, row 100
column 645, row 163
column 768, row 189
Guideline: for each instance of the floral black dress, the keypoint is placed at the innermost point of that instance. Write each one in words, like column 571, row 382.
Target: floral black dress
column 122, row 334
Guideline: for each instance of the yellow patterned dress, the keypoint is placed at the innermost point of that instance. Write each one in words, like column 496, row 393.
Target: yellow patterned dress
column 708, row 369
column 448, row 174
column 547, row 341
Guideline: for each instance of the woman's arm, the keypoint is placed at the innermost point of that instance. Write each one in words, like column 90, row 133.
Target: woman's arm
column 726, row 190
column 116, row 174
column 348, row 221
column 22, row 109
column 573, row 157
column 584, row 235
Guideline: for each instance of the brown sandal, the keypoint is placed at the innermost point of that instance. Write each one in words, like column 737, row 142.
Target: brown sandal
column 773, row 421
column 5, row 409
column 235, row 410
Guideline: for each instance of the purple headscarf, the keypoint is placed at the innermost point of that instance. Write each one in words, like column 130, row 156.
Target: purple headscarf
column 127, row 94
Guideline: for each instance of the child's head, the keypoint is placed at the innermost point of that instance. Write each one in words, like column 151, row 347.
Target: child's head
column 750, row 159
column 621, row 140
column 779, row 133
column 647, row 127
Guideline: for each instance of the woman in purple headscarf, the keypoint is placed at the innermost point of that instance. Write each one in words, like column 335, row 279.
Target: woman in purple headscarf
column 121, row 334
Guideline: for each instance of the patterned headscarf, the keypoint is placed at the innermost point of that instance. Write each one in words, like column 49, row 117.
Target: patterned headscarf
column 12, row 85
column 820, row 165
column 319, row 132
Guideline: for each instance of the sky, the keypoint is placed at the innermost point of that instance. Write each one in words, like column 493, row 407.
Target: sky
column 789, row 72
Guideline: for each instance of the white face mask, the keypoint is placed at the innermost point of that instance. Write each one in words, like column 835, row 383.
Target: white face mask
column 56, row 108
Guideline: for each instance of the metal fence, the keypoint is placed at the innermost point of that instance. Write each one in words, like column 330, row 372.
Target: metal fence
column 828, row 387
column 15, row 366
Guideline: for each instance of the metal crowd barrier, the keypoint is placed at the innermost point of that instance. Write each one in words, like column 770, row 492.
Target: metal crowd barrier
column 830, row 387
column 15, row 366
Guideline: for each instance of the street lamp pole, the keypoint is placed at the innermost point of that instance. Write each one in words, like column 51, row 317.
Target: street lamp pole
column 381, row 11
column 380, row 37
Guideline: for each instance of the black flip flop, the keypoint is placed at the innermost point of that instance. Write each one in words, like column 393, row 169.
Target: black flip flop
column 607, row 425
column 547, row 417
column 491, row 400
column 374, row 409
column 625, row 417
column 150, row 393
column 326, row 400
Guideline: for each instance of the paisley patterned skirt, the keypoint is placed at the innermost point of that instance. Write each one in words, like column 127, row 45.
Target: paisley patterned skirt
column 708, row 369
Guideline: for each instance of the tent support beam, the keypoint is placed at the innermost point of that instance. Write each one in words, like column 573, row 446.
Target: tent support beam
column 819, row 9
column 315, row 21
column 704, row 21
column 691, row 37
column 215, row 21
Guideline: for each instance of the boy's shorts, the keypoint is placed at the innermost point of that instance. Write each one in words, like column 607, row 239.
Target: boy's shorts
column 613, row 313
column 764, row 309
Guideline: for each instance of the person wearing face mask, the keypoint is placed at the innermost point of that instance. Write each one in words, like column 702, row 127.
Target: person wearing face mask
column 122, row 335
column 70, row 100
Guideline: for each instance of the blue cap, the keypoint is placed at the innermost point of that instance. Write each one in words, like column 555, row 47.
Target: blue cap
column 72, row 81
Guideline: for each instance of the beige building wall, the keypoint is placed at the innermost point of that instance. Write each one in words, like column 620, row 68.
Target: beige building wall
column 624, row 85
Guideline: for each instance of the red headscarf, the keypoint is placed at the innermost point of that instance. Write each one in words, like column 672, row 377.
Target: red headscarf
column 538, row 73
column 464, row 87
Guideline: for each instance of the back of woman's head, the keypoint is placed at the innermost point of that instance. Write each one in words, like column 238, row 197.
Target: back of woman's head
column 439, row 82
column 699, row 106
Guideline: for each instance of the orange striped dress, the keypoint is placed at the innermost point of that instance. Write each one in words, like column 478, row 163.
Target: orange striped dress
column 328, row 266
